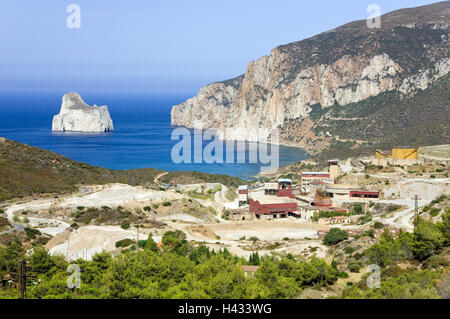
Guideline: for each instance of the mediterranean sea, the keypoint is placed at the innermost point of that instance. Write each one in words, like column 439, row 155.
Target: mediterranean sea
column 141, row 137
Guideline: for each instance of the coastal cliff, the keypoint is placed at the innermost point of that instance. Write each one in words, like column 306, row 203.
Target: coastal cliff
column 76, row 116
column 299, row 86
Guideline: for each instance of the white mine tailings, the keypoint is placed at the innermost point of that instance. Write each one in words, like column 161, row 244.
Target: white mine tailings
column 77, row 116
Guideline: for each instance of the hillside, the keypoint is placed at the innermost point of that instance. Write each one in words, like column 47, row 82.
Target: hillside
column 369, row 86
column 382, row 122
column 26, row 170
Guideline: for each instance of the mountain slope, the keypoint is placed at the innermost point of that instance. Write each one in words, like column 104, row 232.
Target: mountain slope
column 26, row 170
column 297, row 85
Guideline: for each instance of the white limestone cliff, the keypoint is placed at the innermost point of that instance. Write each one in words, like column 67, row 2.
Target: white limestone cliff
column 77, row 116
column 345, row 65
column 261, row 103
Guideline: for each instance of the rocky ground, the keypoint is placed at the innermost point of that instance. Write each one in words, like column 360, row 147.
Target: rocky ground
column 95, row 218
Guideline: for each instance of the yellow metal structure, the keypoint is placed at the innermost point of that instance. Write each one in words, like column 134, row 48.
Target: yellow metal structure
column 382, row 154
column 398, row 153
column 405, row 153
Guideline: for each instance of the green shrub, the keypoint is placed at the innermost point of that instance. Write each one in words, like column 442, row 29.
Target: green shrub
column 349, row 250
column 354, row 266
column 166, row 204
column 125, row 225
column 31, row 232
column 434, row 211
column 435, row 262
column 334, row 236
column 342, row 274
column 226, row 215
column 378, row 225
column 4, row 221
column 124, row 243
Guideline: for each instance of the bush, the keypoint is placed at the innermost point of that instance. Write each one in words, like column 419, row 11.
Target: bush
column 378, row 225
column 31, row 233
column 142, row 243
column 393, row 208
column 147, row 208
column 4, row 221
column 125, row 225
column 342, row 274
column 428, row 239
column 334, row 236
column 354, row 266
column 358, row 209
column 435, row 262
column 166, row 204
column 226, row 215
column 124, row 243
column 434, row 211
column 349, row 250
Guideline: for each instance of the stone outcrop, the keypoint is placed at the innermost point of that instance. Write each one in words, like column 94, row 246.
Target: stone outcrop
column 77, row 116
column 343, row 66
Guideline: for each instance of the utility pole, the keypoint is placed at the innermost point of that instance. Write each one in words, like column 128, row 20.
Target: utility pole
column 137, row 236
column 138, row 225
column 67, row 252
column 416, row 209
column 22, row 279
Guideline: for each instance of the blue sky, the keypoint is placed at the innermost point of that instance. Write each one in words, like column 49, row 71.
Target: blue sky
column 155, row 46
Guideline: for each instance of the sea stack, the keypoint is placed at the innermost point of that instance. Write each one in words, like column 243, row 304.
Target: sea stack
column 77, row 116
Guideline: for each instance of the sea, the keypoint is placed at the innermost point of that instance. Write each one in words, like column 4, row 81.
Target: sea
column 141, row 137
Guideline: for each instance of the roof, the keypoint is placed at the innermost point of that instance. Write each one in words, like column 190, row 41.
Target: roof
column 315, row 173
column 243, row 187
column 285, row 180
column 308, row 207
column 342, row 187
column 406, row 147
column 268, row 199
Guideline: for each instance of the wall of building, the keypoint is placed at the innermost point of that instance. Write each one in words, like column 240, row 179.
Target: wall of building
column 405, row 153
column 276, row 208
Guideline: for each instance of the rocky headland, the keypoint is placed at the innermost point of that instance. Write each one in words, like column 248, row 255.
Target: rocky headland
column 348, row 84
